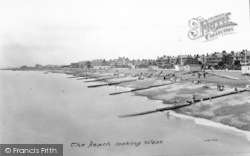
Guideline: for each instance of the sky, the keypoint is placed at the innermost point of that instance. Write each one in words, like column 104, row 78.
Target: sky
column 65, row 31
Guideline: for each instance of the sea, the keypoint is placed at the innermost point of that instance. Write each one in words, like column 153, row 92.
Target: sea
column 38, row 108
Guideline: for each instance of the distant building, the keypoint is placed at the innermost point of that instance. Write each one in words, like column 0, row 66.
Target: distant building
column 50, row 66
column 98, row 62
column 174, row 60
column 112, row 63
column 214, row 59
column 171, row 61
column 188, row 59
column 81, row 64
column 101, row 67
column 203, row 59
column 65, row 66
column 24, row 67
column 38, row 66
column 122, row 62
column 243, row 57
column 119, row 63
column 192, row 67
column 74, row 65
column 163, row 62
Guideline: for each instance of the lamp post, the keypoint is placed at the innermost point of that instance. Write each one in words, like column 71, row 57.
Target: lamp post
column 180, row 52
column 245, row 57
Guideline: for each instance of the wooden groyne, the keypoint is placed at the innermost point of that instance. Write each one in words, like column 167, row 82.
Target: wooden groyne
column 72, row 77
column 83, row 78
column 69, row 73
column 156, row 110
column 98, row 76
column 94, row 80
column 80, row 75
column 114, row 83
column 100, row 85
column 220, row 95
column 137, row 89
column 102, row 79
column 183, row 105
column 91, row 77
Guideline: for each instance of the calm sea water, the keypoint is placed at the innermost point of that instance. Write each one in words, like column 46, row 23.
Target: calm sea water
column 51, row 108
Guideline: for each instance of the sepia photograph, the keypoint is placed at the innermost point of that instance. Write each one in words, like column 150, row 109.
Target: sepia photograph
column 125, row 78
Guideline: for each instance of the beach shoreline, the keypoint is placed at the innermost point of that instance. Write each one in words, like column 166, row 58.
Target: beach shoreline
column 233, row 110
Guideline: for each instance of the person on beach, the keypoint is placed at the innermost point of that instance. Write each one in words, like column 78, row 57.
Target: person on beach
column 176, row 101
column 205, row 86
column 248, row 87
column 220, row 87
column 193, row 98
column 236, row 89
column 204, row 74
column 199, row 75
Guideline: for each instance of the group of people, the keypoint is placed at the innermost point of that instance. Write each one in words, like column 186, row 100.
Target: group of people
column 193, row 100
column 204, row 73
column 196, row 82
column 220, row 87
column 248, row 87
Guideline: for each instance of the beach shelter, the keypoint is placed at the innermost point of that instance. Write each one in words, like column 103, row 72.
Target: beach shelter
column 245, row 69
column 179, row 67
column 192, row 67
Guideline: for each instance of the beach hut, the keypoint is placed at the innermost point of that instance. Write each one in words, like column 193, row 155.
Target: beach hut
column 179, row 67
column 192, row 67
column 131, row 66
column 153, row 68
column 245, row 69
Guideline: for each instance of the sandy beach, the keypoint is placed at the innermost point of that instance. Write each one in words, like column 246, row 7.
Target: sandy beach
column 231, row 110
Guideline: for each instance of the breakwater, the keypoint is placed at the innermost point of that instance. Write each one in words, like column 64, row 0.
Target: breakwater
column 138, row 89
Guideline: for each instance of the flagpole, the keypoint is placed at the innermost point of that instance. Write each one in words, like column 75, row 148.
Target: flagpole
column 180, row 50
